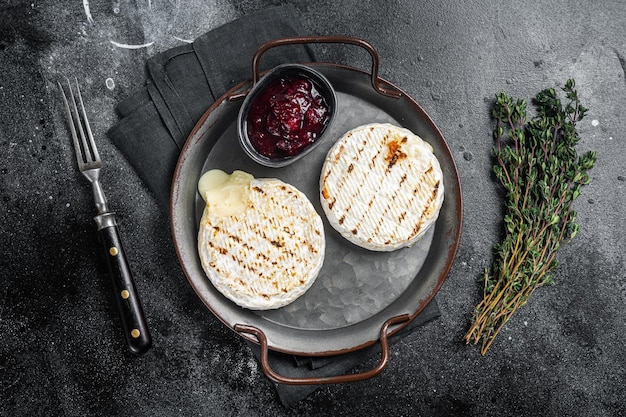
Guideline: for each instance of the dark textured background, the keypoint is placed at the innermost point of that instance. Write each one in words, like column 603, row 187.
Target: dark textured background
column 61, row 350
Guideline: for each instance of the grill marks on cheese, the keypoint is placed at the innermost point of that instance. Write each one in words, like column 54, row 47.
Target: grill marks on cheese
column 381, row 186
column 269, row 255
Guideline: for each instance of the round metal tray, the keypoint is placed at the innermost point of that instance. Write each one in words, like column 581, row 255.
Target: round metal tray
column 359, row 296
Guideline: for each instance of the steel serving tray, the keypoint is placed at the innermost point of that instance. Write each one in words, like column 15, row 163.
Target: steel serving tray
column 360, row 296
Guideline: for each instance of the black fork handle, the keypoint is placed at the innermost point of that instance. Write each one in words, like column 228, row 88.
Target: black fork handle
column 131, row 312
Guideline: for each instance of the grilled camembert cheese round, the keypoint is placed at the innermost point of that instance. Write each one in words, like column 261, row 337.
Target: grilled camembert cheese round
column 381, row 187
column 261, row 242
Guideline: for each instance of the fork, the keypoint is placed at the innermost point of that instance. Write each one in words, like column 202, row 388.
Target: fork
column 135, row 327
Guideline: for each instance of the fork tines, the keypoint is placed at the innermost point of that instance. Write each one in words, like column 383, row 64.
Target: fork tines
column 86, row 150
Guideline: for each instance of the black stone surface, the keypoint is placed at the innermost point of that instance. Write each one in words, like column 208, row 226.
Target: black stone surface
column 61, row 350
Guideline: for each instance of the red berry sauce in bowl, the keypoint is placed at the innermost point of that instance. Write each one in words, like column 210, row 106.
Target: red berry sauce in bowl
column 285, row 115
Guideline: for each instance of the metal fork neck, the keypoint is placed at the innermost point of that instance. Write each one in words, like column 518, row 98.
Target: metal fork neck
column 99, row 197
column 93, row 175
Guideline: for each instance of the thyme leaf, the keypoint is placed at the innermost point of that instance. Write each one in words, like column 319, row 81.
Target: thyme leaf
column 537, row 164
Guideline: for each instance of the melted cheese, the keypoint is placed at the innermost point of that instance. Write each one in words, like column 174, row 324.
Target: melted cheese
column 225, row 194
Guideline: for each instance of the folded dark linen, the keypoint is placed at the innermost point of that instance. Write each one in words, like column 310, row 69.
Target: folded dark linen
column 184, row 81
column 181, row 84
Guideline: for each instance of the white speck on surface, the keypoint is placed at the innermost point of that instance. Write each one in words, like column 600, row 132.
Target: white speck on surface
column 87, row 11
column 595, row 122
column 127, row 46
column 182, row 40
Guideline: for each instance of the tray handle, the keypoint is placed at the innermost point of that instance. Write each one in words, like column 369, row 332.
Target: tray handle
column 319, row 39
column 274, row 376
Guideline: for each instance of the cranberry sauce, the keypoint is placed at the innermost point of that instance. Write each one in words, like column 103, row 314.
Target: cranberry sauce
column 286, row 117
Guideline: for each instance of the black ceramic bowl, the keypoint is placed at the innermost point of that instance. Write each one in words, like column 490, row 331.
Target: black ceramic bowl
column 259, row 93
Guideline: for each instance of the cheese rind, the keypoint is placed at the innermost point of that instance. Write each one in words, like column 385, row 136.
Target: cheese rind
column 267, row 255
column 381, row 187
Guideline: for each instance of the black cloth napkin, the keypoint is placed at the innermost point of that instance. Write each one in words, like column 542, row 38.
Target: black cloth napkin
column 181, row 84
column 184, row 81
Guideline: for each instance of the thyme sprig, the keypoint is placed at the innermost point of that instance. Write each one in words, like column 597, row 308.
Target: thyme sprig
column 542, row 175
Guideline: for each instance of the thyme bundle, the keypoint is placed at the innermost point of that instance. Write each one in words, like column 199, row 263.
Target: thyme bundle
column 542, row 175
